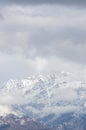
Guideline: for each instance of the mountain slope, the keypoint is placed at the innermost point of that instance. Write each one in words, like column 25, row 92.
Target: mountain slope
column 12, row 122
column 44, row 98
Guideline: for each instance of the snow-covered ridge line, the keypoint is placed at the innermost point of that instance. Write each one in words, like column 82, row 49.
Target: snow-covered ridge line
column 42, row 96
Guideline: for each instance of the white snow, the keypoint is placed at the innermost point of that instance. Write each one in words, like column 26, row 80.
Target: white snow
column 55, row 93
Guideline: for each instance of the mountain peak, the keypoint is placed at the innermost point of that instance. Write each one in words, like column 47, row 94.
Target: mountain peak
column 40, row 97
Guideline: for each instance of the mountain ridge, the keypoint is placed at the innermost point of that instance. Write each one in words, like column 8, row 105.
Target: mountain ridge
column 44, row 98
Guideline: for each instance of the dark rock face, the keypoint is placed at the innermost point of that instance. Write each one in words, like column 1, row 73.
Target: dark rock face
column 68, row 121
column 12, row 122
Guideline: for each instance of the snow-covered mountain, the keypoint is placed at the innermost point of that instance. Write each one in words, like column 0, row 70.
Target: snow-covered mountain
column 12, row 122
column 44, row 98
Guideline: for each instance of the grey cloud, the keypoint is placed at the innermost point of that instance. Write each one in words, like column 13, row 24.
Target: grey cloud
column 41, row 38
column 47, row 44
column 34, row 2
column 71, row 50
column 1, row 17
column 45, row 36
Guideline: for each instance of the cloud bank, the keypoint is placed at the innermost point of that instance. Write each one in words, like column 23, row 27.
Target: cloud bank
column 41, row 38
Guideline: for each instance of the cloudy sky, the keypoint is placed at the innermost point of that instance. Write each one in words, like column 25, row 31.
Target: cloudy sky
column 42, row 36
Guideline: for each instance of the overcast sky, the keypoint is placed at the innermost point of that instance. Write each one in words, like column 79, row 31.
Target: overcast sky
column 42, row 36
